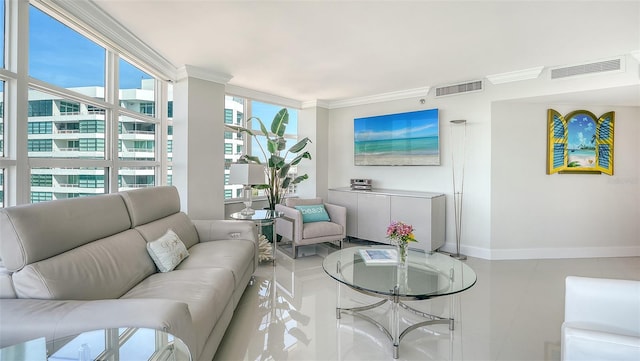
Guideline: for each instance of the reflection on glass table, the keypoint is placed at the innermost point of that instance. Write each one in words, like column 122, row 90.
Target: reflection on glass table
column 105, row 344
column 426, row 276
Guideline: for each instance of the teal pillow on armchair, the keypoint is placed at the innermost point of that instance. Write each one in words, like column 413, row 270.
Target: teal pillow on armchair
column 313, row 213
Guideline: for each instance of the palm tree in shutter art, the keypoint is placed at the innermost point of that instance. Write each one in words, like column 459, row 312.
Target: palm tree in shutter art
column 579, row 142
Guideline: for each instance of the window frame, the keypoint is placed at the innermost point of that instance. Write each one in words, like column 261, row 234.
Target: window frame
column 14, row 161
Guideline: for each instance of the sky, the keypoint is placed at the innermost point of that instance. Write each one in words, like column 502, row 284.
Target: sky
column 581, row 130
column 266, row 112
column 61, row 56
column 419, row 124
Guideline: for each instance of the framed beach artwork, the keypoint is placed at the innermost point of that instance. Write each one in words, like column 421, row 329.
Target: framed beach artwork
column 580, row 142
column 410, row 138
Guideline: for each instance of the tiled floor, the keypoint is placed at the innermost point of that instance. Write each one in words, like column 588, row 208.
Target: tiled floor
column 514, row 312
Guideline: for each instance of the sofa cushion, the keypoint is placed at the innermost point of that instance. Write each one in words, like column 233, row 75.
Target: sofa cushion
column 178, row 222
column 148, row 204
column 321, row 229
column 34, row 232
column 205, row 291
column 313, row 213
column 293, row 202
column 167, row 251
column 106, row 268
column 234, row 255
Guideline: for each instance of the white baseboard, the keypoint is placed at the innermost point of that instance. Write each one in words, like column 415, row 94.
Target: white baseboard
column 543, row 253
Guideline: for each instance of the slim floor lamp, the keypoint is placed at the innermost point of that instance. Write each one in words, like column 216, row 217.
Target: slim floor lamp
column 458, row 184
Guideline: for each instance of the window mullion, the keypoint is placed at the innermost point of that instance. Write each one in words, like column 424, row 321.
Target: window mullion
column 162, row 133
column 112, row 97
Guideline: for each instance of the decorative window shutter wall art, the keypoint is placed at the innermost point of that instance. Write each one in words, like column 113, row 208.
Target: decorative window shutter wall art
column 580, row 142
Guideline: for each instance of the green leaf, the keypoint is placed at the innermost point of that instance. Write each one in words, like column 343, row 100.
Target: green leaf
column 261, row 186
column 282, row 173
column 300, row 157
column 286, row 182
column 282, row 143
column 300, row 145
column 262, row 127
column 272, row 146
column 237, row 128
column 276, row 162
column 280, row 122
column 300, row 178
column 251, row 158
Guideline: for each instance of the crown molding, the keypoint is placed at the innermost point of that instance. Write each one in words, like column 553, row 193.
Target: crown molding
column 316, row 104
column 378, row 98
column 190, row 71
column 89, row 18
column 518, row 75
column 262, row 96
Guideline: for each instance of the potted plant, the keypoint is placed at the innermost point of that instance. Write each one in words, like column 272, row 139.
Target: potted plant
column 276, row 166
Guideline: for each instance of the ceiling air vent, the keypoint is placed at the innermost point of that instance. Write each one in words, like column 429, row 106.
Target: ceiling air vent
column 459, row 88
column 588, row 68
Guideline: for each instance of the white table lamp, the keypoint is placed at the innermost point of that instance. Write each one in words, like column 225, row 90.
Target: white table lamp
column 247, row 174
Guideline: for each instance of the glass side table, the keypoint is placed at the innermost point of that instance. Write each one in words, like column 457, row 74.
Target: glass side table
column 262, row 217
column 103, row 344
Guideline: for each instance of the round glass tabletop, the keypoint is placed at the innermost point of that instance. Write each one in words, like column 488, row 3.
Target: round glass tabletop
column 427, row 275
column 259, row 215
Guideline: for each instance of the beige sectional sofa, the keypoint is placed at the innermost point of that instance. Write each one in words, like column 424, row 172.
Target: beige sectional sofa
column 82, row 264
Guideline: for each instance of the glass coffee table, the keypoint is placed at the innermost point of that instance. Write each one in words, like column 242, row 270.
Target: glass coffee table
column 427, row 275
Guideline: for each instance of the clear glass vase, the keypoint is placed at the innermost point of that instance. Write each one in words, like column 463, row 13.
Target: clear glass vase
column 401, row 248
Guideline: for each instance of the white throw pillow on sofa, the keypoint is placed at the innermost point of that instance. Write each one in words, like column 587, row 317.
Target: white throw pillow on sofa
column 167, row 251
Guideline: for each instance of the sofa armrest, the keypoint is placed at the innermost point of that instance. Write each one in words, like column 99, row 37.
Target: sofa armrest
column 285, row 227
column 337, row 214
column 26, row 319
column 601, row 301
column 211, row 230
column 586, row 342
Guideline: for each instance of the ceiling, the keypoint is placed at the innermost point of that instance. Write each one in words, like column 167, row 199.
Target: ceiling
column 336, row 50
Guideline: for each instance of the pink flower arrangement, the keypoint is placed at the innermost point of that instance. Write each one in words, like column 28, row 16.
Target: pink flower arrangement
column 401, row 232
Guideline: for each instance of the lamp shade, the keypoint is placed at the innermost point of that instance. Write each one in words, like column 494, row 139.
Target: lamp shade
column 246, row 173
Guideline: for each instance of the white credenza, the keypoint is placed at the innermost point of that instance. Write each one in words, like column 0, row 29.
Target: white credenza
column 370, row 212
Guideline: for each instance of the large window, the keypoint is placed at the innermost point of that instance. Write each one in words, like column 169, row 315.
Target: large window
column 81, row 136
column 236, row 144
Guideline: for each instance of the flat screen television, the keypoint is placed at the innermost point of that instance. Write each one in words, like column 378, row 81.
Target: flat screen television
column 410, row 138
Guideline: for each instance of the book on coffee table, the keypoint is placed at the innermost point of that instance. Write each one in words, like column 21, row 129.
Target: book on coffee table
column 375, row 256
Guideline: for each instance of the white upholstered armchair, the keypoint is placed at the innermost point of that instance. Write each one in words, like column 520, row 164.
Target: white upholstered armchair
column 601, row 319
column 307, row 224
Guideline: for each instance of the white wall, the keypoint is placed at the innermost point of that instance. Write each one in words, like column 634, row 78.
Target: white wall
column 313, row 123
column 427, row 178
column 198, row 133
column 498, row 231
column 535, row 215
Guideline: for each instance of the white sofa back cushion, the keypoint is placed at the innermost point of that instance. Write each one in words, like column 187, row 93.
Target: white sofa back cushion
column 103, row 269
column 293, row 202
column 179, row 223
column 35, row 232
column 148, row 204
